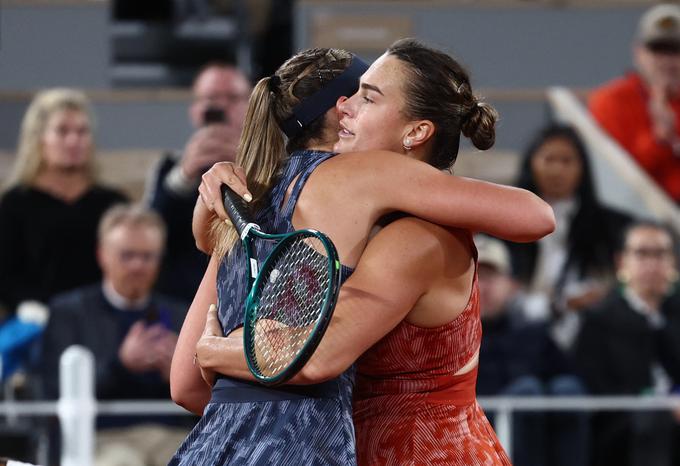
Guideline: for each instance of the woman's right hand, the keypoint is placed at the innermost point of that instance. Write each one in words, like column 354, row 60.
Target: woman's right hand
column 209, row 203
column 205, row 347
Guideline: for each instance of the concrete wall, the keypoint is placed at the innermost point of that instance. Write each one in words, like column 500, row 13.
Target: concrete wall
column 518, row 45
column 66, row 43
column 58, row 44
column 505, row 45
column 522, row 46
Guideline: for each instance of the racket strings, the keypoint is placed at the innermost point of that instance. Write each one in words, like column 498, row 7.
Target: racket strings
column 291, row 300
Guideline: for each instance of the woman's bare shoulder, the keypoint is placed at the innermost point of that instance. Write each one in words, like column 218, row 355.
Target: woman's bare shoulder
column 368, row 159
column 423, row 241
column 371, row 170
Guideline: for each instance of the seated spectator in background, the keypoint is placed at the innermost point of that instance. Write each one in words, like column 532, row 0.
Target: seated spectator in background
column 518, row 358
column 220, row 99
column 132, row 333
column 572, row 267
column 629, row 344
column 52, row 203
column 641, row 110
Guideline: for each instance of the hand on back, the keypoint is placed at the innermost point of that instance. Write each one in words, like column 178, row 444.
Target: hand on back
column 204, row 346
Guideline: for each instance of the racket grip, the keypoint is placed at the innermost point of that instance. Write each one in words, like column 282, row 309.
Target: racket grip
column 236, row 207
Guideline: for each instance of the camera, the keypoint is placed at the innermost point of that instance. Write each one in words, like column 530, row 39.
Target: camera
column 213, row 115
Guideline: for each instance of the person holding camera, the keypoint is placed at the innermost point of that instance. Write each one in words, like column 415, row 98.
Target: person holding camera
column 220, row 99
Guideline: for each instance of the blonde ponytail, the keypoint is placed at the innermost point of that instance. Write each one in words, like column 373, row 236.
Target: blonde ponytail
column 260, row 151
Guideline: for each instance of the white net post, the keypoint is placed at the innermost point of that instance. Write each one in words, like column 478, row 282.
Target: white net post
column 76, row 407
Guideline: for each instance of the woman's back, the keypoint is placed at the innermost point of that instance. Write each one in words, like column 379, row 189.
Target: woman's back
column 442, row 332
column 415, row 391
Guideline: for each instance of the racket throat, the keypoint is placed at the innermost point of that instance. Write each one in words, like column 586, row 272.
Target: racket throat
column 254, row 268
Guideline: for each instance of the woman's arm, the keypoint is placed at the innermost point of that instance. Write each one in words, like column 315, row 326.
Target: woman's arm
column 187, row 387
column 385, row 182
column 393, row 181
column 209, row 202
column 397, row 267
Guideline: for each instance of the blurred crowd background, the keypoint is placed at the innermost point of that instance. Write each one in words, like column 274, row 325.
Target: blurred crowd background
column 112, row 110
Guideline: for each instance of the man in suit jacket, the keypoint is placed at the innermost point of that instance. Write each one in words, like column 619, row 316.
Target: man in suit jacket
column 132, row 332
column 630, row 345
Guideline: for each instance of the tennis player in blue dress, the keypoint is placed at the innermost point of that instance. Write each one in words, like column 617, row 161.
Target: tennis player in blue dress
column 246, row 423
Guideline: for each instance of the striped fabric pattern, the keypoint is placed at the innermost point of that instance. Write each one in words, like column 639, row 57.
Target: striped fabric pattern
column 292, row 432
column 308, row 431
column 410, row 410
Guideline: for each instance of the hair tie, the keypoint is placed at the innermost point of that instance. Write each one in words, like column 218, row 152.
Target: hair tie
column 273, row 83
column 466, row 115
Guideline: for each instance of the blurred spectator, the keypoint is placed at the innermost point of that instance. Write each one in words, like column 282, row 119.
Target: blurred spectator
column 53, row 202
column 132, row 333
column 630, row 345
column 220, row 99
column 641, row 109
column 518, row 358
column 572, row 267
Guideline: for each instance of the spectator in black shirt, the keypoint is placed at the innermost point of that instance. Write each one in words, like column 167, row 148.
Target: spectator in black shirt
column 572, row 267
column 52, row 203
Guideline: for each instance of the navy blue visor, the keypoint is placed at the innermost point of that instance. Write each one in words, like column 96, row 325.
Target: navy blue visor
column 311, row 108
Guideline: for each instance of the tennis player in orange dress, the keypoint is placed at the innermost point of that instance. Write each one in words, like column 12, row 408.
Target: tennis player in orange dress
column 414, row 402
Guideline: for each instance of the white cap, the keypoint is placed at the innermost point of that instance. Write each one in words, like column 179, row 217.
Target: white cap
column 660, row 24
column 493, row 252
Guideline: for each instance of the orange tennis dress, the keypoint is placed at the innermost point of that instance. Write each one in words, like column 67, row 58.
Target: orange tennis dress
column 410, row 410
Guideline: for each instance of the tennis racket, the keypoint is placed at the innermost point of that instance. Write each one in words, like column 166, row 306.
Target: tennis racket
column 292, row 294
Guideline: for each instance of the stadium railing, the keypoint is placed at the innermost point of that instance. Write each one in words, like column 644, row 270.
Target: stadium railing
column 77, row 407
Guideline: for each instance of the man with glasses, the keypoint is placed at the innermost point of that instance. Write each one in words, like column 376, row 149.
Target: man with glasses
column 132, row 332
column 630, row 345
column 641, row 110
column 219, row 101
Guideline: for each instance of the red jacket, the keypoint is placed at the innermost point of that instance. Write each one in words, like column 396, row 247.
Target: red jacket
column 620, row 107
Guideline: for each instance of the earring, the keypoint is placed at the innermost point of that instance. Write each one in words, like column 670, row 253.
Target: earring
column 407, row 144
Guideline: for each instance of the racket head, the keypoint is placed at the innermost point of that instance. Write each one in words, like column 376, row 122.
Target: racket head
column 290, row 305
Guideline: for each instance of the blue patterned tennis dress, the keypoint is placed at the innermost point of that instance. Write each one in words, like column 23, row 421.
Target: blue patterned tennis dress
column 247, row 423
